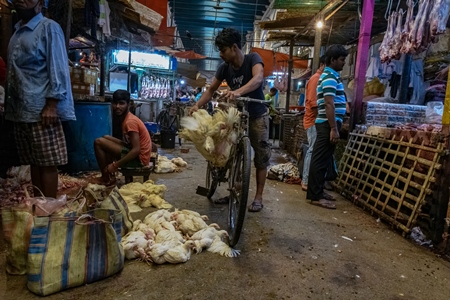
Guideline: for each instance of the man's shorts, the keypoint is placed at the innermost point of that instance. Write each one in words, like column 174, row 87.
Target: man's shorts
column 259, row 139
column 135, row 163
column 41, row 145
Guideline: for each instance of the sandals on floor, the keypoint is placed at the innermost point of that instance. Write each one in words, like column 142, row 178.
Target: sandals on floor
column 255, row 207
column 324, row 203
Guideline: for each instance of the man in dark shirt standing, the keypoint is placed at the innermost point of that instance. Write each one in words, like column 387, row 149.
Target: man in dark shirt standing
column 244, row 74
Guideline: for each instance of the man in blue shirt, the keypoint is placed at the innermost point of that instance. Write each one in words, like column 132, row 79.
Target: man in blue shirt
column 331, row 110
column 39, row 94
column 244, row 74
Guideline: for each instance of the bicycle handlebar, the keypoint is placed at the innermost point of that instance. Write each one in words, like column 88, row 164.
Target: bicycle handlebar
column 248, row 99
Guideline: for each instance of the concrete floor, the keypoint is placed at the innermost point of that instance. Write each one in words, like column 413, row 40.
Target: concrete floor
column 291, row 250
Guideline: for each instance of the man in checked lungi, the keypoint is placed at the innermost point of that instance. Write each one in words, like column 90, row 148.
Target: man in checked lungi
column 39, row 95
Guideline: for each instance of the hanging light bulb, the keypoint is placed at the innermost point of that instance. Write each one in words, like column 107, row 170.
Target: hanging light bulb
column 319, row 24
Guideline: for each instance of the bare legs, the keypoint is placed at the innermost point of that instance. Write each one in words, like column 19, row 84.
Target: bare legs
column 260, row 182
column 107, row 149
column 45, row 179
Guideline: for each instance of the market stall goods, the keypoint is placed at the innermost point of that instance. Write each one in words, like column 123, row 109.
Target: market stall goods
column 140, row 195
column 417, row 32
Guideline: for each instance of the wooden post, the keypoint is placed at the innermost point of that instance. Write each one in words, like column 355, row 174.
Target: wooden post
column 361, row 61
column 317, row 45
column 290, row 62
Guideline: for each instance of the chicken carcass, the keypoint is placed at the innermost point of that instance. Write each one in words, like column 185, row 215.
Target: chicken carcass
column 205, row 237
column 189, row 224
column 180, row 253
column 167, row 235
column 218, row 246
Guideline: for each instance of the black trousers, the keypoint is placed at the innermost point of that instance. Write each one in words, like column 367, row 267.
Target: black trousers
column 321, row 161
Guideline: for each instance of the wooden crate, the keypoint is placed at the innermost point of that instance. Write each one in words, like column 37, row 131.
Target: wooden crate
column 391, row 172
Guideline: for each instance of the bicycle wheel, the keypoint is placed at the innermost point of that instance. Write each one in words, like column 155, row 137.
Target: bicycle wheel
column 163, row 120
column 239, row 182
column 211, row 182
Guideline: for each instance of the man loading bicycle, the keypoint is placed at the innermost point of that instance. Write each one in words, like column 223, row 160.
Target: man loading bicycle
column 244, row 74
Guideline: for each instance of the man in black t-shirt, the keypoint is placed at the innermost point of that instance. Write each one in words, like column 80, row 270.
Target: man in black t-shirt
column 244, row 74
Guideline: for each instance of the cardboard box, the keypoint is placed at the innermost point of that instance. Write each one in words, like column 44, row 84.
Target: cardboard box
column 82, row 75
column 83, row 88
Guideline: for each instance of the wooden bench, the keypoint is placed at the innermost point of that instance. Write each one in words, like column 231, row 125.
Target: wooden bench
column 145, row 172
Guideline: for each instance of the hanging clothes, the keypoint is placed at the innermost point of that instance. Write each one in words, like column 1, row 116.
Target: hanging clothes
column 416, row 82
column 374, row 69
column 92, row 12
column 103, row 20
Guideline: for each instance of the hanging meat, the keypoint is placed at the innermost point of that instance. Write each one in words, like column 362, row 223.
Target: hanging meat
column 422, row 28
column 439, row 17
column 384, row 47
column 408, row 24
column 396, row 44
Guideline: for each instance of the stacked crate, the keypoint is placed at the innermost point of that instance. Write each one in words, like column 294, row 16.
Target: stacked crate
column 83, row 81
column 389, row 114
column 294, row 133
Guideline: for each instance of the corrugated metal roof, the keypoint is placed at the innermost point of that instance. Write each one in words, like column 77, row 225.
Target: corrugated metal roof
column 198, row 22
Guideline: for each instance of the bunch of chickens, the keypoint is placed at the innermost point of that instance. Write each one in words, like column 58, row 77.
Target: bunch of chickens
column 213, row 136
column 171, row 237
column 139, row 195
column 166, row 165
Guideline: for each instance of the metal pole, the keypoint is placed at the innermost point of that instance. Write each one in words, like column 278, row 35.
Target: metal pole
column 129, row 66
column 361, row 61
column 68, row 24
column 317, row 45
column 290, row 62
column 102, row 68
column 404, row 80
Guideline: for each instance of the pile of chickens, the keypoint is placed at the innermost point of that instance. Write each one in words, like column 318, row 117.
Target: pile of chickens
column 171, row 237
column 166, row 165
column 213, row 136
column 140, row 195
column 417, row 32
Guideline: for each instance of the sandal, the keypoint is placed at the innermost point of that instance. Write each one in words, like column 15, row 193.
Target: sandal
column 324, row 203
column 255, row 207
column 328, row 197
column 304, row 187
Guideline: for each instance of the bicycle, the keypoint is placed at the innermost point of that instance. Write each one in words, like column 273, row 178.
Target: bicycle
column 236, row 172
column 169, row 118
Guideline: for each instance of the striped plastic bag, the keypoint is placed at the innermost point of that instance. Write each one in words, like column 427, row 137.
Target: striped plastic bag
column 114, row 201
column 17, row 224
column 65, row 252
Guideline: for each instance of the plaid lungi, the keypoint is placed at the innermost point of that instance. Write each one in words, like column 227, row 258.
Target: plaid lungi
column 41, row 145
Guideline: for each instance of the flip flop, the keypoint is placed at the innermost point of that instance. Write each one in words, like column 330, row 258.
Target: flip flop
column 255, row 207
column 328, row 197
column 324, row 203
column 304, row 187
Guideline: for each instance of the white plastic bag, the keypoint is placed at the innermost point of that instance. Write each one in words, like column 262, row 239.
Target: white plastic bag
column 434, row 112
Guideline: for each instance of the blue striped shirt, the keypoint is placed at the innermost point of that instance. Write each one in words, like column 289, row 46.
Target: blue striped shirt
column 330, row 84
